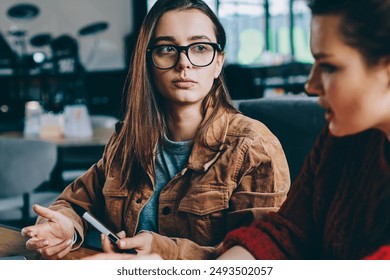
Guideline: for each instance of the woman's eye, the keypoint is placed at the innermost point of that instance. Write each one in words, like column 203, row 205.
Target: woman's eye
column 327, row 68
column 165, row 49
column 199, row 48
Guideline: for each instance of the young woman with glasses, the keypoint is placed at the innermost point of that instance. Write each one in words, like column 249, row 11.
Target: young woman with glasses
column 184, row 166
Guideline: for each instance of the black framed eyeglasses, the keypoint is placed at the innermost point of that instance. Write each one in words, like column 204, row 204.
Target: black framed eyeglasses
column 200, row 54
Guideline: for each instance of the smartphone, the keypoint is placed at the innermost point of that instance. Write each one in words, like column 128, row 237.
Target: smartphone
column 100, row 227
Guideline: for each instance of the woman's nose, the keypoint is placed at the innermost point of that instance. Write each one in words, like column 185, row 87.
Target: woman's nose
column 313, row 85
column 184, row 61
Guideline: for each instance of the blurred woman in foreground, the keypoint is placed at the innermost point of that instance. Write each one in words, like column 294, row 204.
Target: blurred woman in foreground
column 339, row 206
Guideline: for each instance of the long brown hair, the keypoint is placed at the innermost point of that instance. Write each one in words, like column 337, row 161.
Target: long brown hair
column 144, row 123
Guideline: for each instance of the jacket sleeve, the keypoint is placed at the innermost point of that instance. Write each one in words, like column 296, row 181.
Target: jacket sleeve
column 263, row 180
column 289, row 233
column 85, row 191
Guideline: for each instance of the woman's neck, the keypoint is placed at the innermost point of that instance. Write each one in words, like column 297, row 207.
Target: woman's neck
column 183, row 122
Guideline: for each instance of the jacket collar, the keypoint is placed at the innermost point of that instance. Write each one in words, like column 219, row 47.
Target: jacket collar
column 201, row 158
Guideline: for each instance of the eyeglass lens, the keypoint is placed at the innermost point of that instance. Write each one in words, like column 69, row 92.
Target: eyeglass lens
column 167, row 56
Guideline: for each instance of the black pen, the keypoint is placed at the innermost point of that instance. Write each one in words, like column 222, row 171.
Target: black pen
column 99, row 226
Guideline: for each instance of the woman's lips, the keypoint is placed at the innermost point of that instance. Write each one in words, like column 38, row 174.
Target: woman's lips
column 184, row 83
column 328, row 110
column 328, row 114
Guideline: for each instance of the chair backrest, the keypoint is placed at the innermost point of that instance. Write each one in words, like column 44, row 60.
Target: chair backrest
column 24, row 165
column 295, row 121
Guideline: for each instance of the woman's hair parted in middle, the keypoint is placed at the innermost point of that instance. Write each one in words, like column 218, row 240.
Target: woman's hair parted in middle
column 144, row 123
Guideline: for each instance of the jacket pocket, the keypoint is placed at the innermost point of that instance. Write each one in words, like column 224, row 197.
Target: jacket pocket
column 205, row 208
column 115, row 199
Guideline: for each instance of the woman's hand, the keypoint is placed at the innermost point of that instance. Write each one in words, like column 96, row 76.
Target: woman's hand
column 236, row 253
column 52, row 239
column 142, row 243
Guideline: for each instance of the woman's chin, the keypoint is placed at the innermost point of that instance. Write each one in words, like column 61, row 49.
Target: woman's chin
column 340, row 130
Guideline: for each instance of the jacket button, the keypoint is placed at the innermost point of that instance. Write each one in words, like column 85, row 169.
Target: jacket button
column 166, row 210
column 138, row 201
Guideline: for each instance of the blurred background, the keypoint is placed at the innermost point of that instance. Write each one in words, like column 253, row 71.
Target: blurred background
column 63, row 52
column 63, row 66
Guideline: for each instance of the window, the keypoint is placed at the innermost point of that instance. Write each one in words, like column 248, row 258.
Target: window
column 301, row 31
column 245, row 29
column 279, row 37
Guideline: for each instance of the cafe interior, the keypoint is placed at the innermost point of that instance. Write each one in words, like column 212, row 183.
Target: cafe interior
column 63, row 67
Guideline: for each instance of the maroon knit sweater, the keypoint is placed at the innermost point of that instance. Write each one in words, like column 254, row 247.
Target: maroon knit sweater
column 334, row 207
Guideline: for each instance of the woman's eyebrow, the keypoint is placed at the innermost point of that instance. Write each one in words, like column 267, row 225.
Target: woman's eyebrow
column 172, row 39
column 198, row 37
column 321, row 55
column 163, row 38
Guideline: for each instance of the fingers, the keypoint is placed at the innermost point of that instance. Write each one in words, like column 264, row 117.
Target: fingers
column 36, row 243
column 130, row 243
column 34, row 230
column 121, row 234
column 107, row 246
column 57, row 228
column 142, row 242
column 45, row 212
column 27, row 231
column 40, row 230
column 57, row 251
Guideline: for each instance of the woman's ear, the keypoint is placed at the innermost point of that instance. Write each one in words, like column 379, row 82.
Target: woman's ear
column 218, row 67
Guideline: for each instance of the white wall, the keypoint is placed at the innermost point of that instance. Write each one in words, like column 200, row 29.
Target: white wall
column 102, row 51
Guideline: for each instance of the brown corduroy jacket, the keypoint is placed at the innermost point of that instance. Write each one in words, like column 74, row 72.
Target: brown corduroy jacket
column 215, row 192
